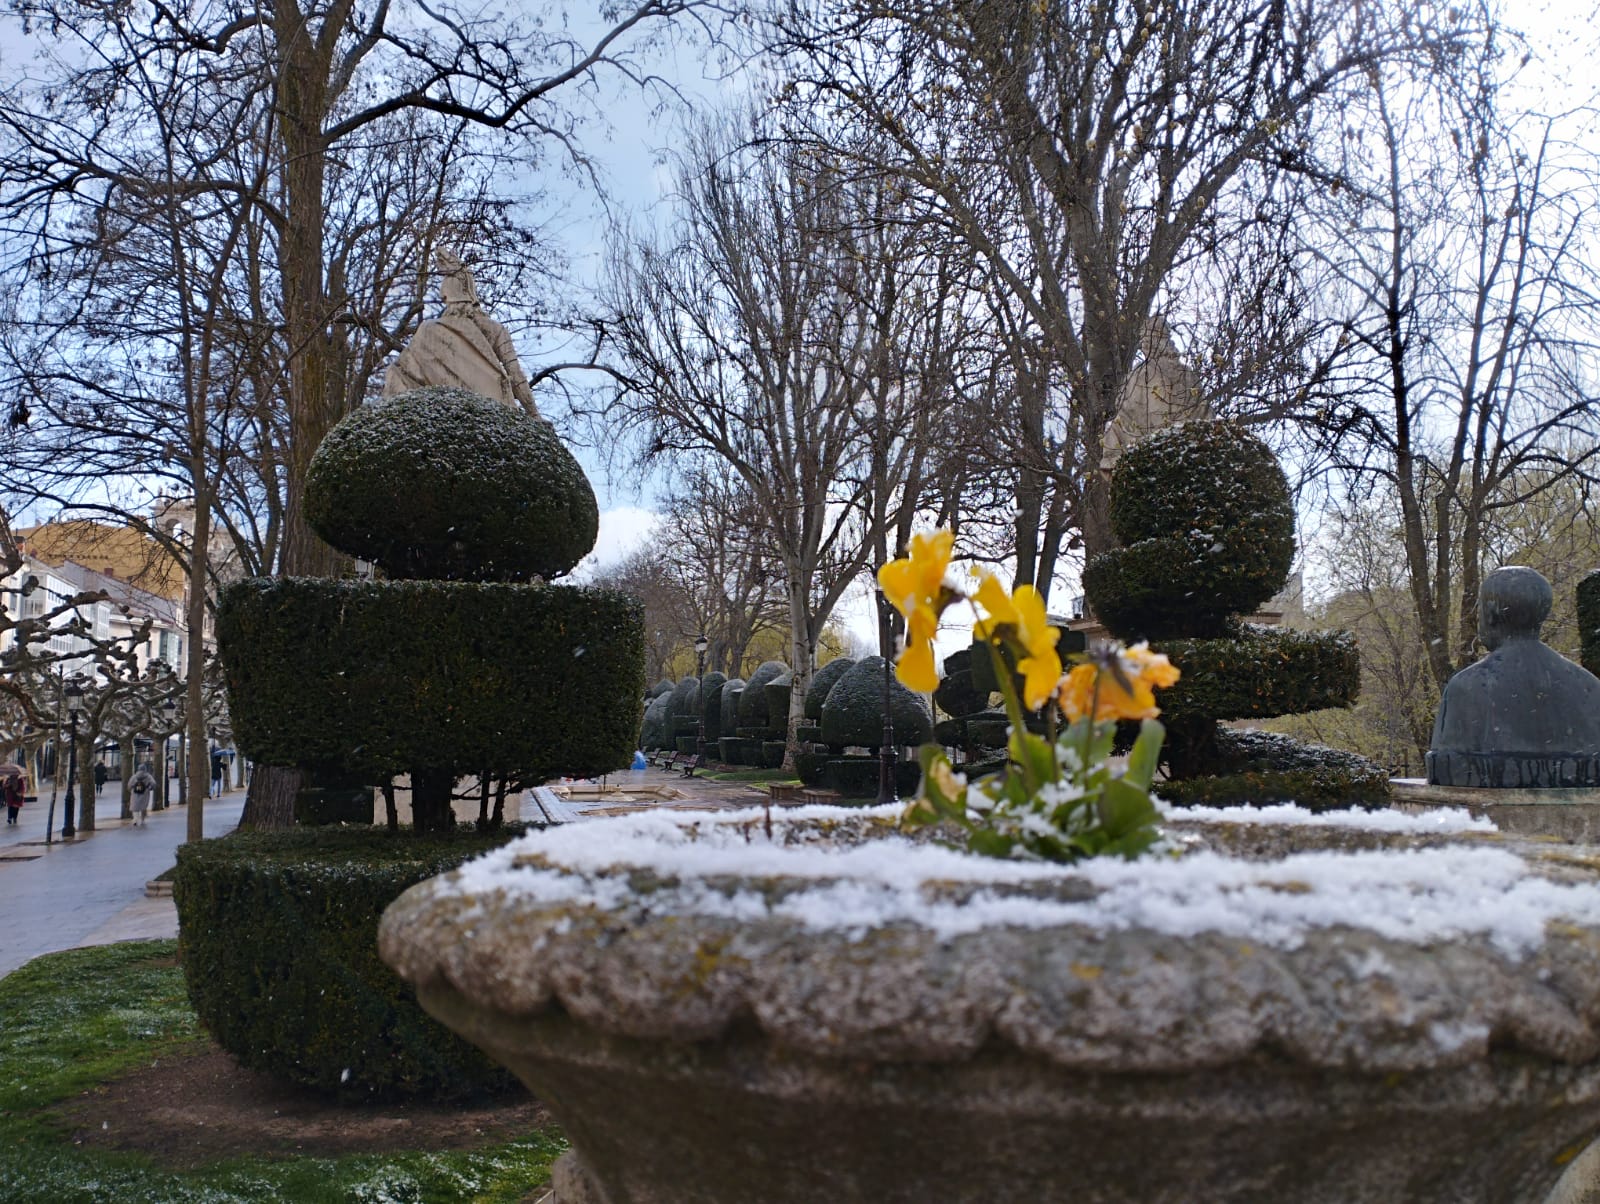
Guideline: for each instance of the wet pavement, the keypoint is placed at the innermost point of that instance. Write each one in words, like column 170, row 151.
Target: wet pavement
column 91, row 890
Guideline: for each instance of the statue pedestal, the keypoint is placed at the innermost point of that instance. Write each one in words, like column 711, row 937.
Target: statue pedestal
column 1571, row 814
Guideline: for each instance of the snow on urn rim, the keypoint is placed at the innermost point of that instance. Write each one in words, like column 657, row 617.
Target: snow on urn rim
column 1372, row 941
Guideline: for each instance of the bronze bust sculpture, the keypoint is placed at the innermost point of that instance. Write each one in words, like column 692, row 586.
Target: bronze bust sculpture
column 1523, row 716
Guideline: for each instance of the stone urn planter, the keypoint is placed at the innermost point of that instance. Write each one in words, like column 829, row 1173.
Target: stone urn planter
column 740, row 1008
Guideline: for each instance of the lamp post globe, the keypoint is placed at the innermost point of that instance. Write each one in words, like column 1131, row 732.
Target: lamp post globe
column 700, row 646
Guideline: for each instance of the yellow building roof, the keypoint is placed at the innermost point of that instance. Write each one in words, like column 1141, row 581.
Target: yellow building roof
column 115, row 551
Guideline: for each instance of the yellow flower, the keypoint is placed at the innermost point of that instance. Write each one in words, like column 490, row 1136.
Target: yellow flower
column 1041, row 667
column 915, row 587
column 1022, row 611
column 1141, row 671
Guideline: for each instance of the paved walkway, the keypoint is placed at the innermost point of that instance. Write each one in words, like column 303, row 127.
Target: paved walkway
column 90, row 890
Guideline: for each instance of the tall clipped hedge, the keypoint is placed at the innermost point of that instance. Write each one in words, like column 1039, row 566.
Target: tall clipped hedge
column 710, row 706
column 1588, row 600
column 371, row 679
column 853, row 712
column 728, row 705
column 278, row 933
column 822, row 681
column 753, row 702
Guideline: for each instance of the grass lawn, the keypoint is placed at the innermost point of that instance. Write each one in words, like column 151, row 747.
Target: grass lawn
column 71, row 1021
column 773, row 777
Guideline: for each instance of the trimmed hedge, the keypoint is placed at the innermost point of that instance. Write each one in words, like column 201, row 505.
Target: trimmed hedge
column 278, row 935
column 1207, row 523
column 683, row 700
column 753, row 702
column 374, row 679
column 821, row 682
column 711, row 702
column 853, row 712
column 443, row 484
column 1314, row 789
column 653, row 730
column 1262, row 673
column 857, row 777
column 809, row 733
column 808, row 767
column 1588, row 604
column 958, row 697
column 687, row 744
column 772, row 753
column 728, row 721
column 664, row 686
column 731, row 750
column 779, row 690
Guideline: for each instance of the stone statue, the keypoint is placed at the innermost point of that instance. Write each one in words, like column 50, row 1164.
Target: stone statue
column 463, row 347
column 1524, row 715
column 1161, row 391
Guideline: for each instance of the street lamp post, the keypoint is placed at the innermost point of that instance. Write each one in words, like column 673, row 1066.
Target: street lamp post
column 169, row 720
column 700, row 646
column 886, row 757
column 74, row 694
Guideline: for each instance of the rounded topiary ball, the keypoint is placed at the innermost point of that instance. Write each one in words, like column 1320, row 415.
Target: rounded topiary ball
column 728, row 704
column 853, row 711
column 1206, row 521
column 444, row 484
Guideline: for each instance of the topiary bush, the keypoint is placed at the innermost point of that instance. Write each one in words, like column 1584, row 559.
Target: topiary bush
column 711, row 702
column 653, row 731
column 1588, row 606
column 753, row 702
column 374, row 678
column 1207, row 522
column 857, row 777
column 808, row 767
column 446, row 485
column 728, row 722
column 730, row 749
column 853, row 711
column 821, row 682
column 661, row 687
column 278, row 935
column 778, row 691
column 684, row 701
column 1261, row 768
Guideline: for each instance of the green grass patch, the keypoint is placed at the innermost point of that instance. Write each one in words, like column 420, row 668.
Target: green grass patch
column 774, row 777
column 77, row 1019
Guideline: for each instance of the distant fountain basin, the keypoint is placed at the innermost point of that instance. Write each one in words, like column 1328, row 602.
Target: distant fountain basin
column 727, row 1007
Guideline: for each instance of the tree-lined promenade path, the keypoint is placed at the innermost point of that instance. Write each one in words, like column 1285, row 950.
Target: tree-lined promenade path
column 90, row 890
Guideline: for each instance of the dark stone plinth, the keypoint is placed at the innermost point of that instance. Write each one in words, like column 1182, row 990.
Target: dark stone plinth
column 1513, row 771
column 1524, row 716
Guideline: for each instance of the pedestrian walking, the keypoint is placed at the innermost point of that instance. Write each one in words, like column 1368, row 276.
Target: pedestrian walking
column 141, row 789
column 99, row 776
column 219, row 773
column 15, row 792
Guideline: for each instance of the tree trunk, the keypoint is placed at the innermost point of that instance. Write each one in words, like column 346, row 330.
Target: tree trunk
column 430, row 801
column 125, row 757
column 85, row 787
column 269, row 803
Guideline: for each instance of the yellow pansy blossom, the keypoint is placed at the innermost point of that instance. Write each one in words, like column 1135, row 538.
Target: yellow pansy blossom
column 915, row 586
column 1041, row 667
column 1142, row 672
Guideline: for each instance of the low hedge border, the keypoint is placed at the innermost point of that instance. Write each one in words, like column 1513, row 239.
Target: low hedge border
column 278, row 933
column 1263, row 673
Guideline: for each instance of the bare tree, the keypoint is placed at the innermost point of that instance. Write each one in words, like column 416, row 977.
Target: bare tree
column 1088, row 152
column 1463, row 305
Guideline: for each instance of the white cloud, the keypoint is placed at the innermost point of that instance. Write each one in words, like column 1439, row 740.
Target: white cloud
column 623, row 531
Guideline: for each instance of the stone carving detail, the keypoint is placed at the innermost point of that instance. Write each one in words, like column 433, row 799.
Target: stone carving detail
column 1161, row 391
column 1523, row 716
column 462, row 348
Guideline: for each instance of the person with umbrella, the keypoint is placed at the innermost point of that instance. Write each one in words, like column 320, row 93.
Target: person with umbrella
column 14, row 789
